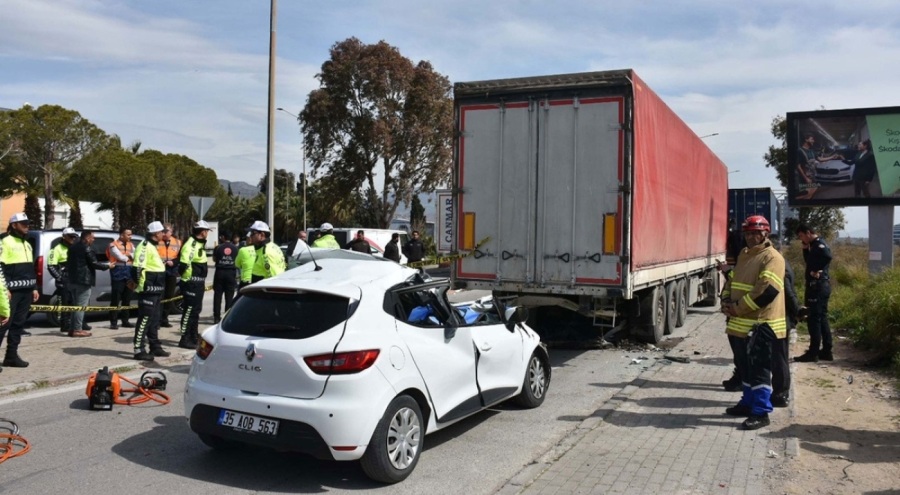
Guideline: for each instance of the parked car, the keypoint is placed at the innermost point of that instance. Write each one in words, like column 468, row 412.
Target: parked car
column 357, row 359
column 834, row 172
column 42, row 241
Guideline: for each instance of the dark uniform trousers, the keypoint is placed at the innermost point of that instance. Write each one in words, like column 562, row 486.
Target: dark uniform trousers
column 19, row 305
column 817, row 294
column 753, row 358
column 193, row 305
column 65, row 299
column 147, row 328
column 224, row 284
column 121, row 296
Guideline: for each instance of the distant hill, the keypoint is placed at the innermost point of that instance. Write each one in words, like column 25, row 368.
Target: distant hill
column 241, row 189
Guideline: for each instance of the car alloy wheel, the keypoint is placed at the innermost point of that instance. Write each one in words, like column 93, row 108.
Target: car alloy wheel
column 537, row 379
column 395, row 446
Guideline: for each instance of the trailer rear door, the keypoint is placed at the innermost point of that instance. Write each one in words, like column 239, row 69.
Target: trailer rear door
column 540, row 185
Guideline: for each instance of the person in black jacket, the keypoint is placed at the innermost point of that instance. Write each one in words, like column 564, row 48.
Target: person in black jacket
column 359, row 244
column 865, row 170
column 225, row 278
column 781, row 368
column 392, row 249
column 81, row 268
column 414, row 249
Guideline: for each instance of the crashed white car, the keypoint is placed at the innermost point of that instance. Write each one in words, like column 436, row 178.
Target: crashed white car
column 350, row 359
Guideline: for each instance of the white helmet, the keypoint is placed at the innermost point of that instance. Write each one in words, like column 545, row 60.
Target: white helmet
column 155, row 227
column 260, row 226
column 326, row 226
column 202, row 225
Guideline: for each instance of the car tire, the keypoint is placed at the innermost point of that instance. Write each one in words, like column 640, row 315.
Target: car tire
column 397, row 442
column 54, row 317
column 536, row 382
column 215, row 443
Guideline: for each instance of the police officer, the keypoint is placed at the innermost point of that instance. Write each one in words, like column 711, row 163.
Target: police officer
column 817, row 257
column 753, row 300
column 56, row 265
column 17, row 264
column 193, row 268
column 269, row 258
column 245, row 260
column 150, row 273
column 326, row 240
column 225, row 278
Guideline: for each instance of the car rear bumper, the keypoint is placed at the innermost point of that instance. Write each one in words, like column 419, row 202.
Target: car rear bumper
column 344, row 416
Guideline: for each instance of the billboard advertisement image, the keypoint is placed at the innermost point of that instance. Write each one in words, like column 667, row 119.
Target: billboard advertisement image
column 844, row 157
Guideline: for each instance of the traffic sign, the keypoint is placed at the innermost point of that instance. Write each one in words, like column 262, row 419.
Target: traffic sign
column 201, row 204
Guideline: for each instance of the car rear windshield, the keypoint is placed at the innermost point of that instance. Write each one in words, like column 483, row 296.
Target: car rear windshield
column 286, row 315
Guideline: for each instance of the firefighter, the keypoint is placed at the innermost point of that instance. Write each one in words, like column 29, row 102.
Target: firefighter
column 17, row 263
column 150, row 273
column 56, row 265
column 817, row 257
column 753, row 299
column 269, row 258
column 193, row 268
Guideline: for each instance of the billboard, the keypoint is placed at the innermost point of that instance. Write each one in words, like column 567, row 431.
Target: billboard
column 844, row 157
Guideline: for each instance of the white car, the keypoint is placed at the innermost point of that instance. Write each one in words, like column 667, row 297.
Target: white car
column 357, row 359
column 834, row 172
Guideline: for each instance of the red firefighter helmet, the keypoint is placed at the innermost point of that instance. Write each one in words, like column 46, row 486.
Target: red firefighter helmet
column 756, row 223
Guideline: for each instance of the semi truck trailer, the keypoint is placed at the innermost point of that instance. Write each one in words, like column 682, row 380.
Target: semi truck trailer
column 585, row 198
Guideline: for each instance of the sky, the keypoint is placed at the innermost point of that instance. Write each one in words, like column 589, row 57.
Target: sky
column 191, row 77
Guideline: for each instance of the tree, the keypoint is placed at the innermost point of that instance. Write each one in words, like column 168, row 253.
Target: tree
column 50, row 140
column 826, row 221
column 375, row 108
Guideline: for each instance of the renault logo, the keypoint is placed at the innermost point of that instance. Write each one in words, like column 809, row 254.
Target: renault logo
column 250, row 352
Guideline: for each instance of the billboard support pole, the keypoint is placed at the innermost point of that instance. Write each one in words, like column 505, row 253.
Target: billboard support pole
column 881, row 248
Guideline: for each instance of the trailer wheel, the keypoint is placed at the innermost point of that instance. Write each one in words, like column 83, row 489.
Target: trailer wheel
column 711, row 281
column 681, row 294
column 652, row 319
column 671, row 307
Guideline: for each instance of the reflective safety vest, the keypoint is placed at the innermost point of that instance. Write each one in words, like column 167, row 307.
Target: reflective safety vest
column 326, row 241
column 245, row 260
column 17, row 263
column 150, row 269
column 56, row 261
column 193, row 261
column 125, row 249
column 269, row 261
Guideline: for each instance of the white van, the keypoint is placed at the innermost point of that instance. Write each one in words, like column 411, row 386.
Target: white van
column 377, row 239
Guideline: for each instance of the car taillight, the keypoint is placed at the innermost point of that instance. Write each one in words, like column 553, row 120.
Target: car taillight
column 204, row 349
column 342, row 363
column 40, row 274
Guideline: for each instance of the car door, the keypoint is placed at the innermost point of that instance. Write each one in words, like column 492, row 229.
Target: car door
column 442, row 351
column 500, row 361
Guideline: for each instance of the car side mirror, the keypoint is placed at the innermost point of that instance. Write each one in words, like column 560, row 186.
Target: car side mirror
column 515, row 316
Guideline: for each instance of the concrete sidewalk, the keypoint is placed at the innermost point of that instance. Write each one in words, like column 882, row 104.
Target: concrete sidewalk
column 55, row 358
column 666, row 432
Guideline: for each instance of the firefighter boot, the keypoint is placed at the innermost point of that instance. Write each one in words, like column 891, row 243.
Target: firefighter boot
column 12, row 360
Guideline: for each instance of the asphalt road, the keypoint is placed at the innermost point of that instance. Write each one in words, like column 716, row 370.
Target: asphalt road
column 150, row 449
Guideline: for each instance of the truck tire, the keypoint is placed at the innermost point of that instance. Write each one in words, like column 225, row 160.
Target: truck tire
column 681, row 293
column 671, row 307
column 712, row 284
column 652, row 320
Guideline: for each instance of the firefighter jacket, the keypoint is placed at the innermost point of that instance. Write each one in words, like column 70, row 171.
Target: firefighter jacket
column 150, row 271
column 756, row 286
column 269, row 260
column 192, row 262
column 123, row 254
column 245, row 260
column 17, row 263
column 56, row 263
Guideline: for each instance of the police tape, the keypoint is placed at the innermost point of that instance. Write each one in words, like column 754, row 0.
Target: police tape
column 49, row 308
column 437, row 260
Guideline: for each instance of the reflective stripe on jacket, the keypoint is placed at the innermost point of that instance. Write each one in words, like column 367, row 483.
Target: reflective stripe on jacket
column 151, row 271
column 269, row 260
column 192, row 262
column 756, row 278
column 17, row 262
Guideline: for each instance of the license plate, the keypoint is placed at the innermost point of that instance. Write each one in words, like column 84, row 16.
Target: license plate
column 247, row 422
